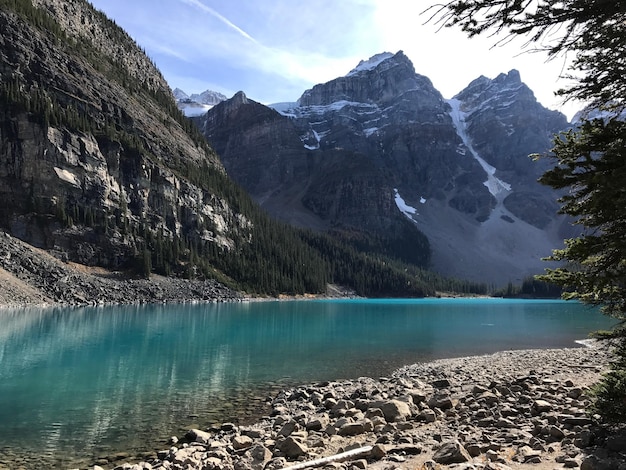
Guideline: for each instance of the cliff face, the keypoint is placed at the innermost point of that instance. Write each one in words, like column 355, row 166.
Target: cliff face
column 395, row 117
column 92, row 152
column 504, row 121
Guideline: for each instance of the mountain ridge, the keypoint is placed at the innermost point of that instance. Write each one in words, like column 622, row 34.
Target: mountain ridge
column 461, row 163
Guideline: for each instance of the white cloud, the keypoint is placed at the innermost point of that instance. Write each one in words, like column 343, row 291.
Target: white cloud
column 201, row 6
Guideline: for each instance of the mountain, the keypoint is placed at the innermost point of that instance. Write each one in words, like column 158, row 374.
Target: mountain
column 197, row 104
column 93, row 153
column 381, row 144
column 334, row 190
column 100, row 169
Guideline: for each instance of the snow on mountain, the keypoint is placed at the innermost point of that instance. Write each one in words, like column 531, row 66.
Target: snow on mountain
column 365, row 150
column 371, row 63
column 495, row 185
column 284, row 108
column 404, row 207
column 198, row 103
column 208, row 97
column 180, row 95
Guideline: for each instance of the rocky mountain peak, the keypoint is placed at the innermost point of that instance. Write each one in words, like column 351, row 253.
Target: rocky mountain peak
column 506, row 87
column 511, row 78
column 197, row 103
column 180, row 95
column 208, row 97
column 378, row 80
column 372, row 62
column 232, row 106
column 239, row 98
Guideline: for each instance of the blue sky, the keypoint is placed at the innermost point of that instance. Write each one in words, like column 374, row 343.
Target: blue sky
column 273, row 50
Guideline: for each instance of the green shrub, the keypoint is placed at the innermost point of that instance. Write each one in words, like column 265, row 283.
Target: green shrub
column 609, row 395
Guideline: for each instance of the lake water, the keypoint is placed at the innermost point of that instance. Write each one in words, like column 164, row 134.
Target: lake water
column 80, row 384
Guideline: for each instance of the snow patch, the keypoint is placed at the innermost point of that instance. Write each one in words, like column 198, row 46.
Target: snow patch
column 371, row 63
column 403, row 206
column 369, row 131
column 317, row 138
column 293, row 110
column 493, row 184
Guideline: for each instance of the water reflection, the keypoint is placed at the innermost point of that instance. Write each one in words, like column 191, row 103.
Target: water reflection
column 91, row 380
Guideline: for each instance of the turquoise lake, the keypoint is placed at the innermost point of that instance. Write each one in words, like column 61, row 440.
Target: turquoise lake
column 78, row 384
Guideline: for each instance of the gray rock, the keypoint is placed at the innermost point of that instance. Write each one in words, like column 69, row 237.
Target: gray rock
column 440, row 383
column 451, row 452
column 288, row 428
column 197, row 435
column 242, row 442
column 317, row 424
column 440, row 400
column 526, row 454
column 427, row 415
column 293, row 448
column 542, row 406
column 352, row 429
column 260, row 456
column 378, row 452
column 394, row 410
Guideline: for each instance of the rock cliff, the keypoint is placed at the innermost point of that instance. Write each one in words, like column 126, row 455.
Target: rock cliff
column 94, row 157
column 282, row 164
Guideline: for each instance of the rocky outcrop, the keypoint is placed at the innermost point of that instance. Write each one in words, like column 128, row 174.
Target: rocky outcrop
column 298, row 180
column 81, row 22
column 504, row 122
column 384, row 110
column 258, row 146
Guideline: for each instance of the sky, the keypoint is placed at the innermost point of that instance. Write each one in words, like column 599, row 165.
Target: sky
column 274, row 50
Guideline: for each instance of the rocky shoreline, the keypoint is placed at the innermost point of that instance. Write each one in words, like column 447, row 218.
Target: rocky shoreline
column 509, row 410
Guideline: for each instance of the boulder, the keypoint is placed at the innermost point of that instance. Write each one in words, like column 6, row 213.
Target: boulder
column 293, row 448
column 394, row 410
column 352, row 429
column 241, row 442
column 196, row 435
column 440, row 400
column 317, row 424
column 259, row 455
column 542, row 406
column 451, row 452
column 288, row 428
